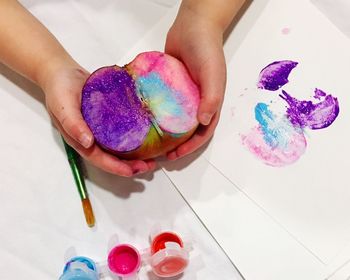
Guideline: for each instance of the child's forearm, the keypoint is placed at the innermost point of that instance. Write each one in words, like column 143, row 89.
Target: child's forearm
column 220, row 12
column 26, row 45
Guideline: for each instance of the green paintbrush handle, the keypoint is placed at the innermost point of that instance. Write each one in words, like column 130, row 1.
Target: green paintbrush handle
column 73, row 158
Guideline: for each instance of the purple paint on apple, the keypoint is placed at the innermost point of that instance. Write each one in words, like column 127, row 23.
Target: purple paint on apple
column 113, row 111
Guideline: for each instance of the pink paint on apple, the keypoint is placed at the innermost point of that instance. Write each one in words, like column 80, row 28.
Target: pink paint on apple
column 154, row 68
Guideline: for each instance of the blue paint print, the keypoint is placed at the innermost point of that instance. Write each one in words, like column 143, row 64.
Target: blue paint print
column 265, row 118
column 276, row 131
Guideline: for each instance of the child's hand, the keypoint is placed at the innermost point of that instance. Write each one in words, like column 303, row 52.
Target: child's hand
column 62, row 87
column 198, row 43
column 196, row 38
column 30, row 49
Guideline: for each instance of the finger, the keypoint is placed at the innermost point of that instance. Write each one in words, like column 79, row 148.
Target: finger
column 97, row 156
column 76, row 127
column 110, row 162
column 202, row 135
column 152, row 164
column 138, row 166
column 172, row 155
column 103, row 160
column 170, row 45
column 212, row 80
column 67, row 112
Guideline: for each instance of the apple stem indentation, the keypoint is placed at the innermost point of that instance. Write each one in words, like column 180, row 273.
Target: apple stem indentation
column 150, row 115
column 156, row 126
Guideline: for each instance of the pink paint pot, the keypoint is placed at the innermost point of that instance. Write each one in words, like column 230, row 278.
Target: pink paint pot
column 124, row 261
column 169, row 258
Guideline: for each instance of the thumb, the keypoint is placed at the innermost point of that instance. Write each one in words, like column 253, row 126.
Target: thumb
column 73, row 124
column 212, row 80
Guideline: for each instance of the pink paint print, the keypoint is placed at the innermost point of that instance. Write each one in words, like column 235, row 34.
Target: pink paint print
column 285, row 31
column 275, row 141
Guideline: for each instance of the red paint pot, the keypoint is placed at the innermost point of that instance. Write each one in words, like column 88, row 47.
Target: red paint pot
column 168, row 255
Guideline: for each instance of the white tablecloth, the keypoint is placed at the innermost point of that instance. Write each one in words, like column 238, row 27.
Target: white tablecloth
column 41, row 216
column 337, row 11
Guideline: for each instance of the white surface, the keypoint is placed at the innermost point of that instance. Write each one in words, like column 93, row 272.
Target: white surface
column 289, row 223
column 41, row 215
column 338, row 11
column 343, row 273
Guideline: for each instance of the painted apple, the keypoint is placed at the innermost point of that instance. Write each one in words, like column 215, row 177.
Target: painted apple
column 143, row 109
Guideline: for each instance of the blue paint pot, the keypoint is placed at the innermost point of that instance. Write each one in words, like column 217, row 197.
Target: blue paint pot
column 80, row 268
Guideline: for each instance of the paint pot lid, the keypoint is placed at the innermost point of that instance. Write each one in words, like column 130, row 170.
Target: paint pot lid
column 80, row 268
column 169, row 261
column 124, row 260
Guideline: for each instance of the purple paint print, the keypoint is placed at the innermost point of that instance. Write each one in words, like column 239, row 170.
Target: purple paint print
column 319, row 94
column 305, row 113
column 275, row 75
column 279, row 139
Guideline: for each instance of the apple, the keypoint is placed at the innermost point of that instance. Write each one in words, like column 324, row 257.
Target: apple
column 143, row 109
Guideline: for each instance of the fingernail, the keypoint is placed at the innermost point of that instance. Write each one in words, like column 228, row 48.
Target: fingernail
column 138, row 171
column 205, row 118
column 172, row 156
column 85, row 140
column 135, row 171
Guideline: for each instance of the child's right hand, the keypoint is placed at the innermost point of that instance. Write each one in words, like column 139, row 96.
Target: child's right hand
column 62, row 86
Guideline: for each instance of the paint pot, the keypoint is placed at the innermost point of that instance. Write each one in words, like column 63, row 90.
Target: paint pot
column 124, row 261
column 80, row 268
column 168, row 258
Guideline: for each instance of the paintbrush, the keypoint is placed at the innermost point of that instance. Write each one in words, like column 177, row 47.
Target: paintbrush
column 73, row 159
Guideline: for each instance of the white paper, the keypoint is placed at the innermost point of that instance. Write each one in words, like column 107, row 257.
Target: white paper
column 309, row 198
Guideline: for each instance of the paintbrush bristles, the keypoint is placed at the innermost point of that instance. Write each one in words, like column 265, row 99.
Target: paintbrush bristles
column 89, row 214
